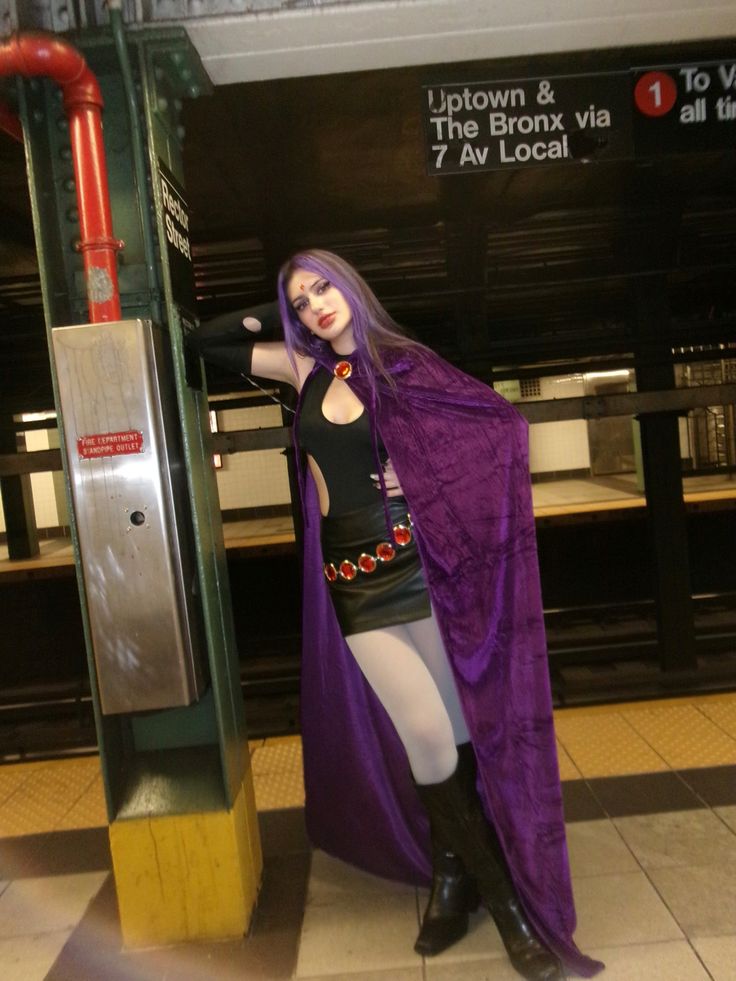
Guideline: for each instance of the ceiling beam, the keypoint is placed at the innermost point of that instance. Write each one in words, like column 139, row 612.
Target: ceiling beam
column 283, row 41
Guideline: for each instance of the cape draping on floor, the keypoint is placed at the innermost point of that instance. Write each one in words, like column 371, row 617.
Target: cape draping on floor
column 460, row 453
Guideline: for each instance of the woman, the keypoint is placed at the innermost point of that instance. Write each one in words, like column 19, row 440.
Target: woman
column 421, row 580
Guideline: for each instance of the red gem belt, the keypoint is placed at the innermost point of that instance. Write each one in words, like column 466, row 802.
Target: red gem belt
column 347, row 570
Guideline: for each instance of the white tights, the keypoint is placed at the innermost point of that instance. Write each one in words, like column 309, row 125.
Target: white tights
column 407, row 668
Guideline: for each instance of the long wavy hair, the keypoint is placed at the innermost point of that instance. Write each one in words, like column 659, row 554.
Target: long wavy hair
column 374, row 331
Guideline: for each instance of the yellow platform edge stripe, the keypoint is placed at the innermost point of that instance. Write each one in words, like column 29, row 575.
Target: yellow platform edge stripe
column 187, row 877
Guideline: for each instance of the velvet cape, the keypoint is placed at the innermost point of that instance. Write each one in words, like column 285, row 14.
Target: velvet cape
column 460, row 453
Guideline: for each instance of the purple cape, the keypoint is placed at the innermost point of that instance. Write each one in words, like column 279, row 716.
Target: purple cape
column 460, row 452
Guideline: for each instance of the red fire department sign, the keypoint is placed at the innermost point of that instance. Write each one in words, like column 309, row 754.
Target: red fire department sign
column 96, row 445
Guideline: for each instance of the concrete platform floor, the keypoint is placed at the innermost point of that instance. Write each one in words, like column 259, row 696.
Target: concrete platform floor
column 650, row 798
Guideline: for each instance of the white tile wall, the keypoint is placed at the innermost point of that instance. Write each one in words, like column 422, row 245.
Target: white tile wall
column 562, row 387
column 685, row 451
column 44, row 492
column 255, row 478
column 559, row 445
column 42, row 484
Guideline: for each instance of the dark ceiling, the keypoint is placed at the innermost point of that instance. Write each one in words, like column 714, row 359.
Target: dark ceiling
column 515, row 268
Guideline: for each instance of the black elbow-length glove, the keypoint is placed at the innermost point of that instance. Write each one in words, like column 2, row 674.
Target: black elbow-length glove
column 224, row 341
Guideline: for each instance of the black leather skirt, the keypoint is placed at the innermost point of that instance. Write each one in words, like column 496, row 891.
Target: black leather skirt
column 374, row 582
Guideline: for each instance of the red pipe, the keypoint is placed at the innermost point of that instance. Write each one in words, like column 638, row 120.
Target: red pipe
column 46, row 55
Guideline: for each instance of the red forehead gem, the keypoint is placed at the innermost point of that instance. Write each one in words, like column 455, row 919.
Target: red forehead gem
column 343, row 369
column 402, row 535
column 385, row 551
column 330, row 572
column 366, row 563
column 348, row 570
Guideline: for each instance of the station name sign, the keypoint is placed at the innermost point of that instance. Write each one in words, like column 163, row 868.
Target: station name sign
column 514, row 123
column 178, row 245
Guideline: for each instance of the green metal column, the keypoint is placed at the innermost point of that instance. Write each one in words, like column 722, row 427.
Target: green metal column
column 183, row 826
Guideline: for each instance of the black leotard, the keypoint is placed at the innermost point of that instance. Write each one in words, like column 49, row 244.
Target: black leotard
column 343, row 451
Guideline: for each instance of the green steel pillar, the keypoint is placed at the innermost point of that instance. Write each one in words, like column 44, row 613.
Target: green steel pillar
column 183, row 826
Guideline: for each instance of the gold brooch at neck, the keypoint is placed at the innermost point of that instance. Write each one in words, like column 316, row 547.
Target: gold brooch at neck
column 342, row 370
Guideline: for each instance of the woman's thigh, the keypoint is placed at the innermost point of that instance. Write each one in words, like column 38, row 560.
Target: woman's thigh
column 405, row 686
column 426, row 637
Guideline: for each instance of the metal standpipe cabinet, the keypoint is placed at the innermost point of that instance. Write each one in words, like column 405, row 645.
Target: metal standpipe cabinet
column 130, row 497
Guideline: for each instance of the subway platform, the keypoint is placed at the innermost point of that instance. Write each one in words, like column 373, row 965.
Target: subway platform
column 650, row 802
column 650, row 798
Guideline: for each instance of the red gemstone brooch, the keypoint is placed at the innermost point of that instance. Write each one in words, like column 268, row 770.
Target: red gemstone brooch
column 343, row 370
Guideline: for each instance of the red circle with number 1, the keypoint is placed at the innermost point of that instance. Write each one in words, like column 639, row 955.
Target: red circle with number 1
column 655, row 93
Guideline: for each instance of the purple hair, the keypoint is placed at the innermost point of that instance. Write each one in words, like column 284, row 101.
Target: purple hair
column 374, row 331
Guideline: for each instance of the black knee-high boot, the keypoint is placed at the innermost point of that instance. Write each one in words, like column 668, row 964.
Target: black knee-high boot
column 454, row 894
column 456, row 812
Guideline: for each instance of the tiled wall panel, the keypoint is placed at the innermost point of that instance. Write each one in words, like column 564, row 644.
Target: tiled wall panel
column 252, row 479
column 556, row 446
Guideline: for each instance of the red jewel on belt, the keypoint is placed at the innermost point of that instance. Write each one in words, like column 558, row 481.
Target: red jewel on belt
column 367, row 563
column 402, row 535
column 342, row 370
column 384, row 552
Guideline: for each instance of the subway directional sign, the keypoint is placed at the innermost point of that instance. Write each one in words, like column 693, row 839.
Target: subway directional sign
column 643, row 112
column 684, row 109
column 524, row 122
